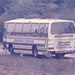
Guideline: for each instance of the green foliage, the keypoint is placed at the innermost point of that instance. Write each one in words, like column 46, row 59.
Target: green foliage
column 11, row 9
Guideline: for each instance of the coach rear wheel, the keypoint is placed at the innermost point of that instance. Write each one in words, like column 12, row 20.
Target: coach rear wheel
column 34, row 51
column 11, row 49
column 60, row 55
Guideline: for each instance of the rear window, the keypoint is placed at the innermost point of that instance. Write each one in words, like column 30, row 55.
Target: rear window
column 62, row 28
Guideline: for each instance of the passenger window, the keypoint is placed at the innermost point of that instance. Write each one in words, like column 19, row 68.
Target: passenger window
column 41, row 31
column 10, row 27
column 18, row 27
column 46, row 30
column 34, row 29
column 26, row 29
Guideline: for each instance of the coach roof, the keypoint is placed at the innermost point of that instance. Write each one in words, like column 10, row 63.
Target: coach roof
column 20, row 20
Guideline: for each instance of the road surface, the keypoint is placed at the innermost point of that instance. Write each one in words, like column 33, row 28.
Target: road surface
column 28, row 65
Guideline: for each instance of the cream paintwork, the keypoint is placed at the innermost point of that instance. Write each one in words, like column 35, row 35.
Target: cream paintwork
column 51, row 41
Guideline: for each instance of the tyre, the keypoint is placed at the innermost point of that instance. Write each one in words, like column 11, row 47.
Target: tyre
column 34, row 51
column 11, row 49
column 59, row 55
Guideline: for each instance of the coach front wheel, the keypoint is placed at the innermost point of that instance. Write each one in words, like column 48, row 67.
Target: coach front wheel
column 34, row 51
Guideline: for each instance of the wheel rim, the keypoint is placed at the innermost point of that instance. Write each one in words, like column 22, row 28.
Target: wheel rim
column 35, row 52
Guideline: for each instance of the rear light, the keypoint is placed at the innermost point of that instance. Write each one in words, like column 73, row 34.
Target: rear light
column 51, row 48
column 60, row 36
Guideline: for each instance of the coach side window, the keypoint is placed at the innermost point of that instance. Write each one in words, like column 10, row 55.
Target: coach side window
column 10, row 29
column 18, row 28
column 41, row 30
column 46, row 30
column 26, row 29
column 34, row 29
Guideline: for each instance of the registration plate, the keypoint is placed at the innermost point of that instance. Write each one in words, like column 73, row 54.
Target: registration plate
column 61, row 51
